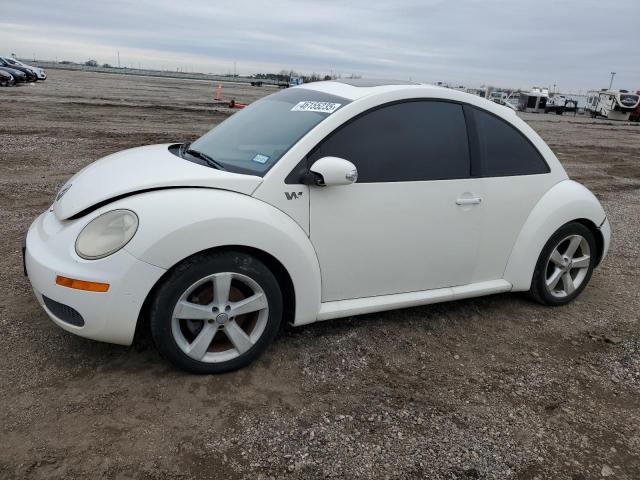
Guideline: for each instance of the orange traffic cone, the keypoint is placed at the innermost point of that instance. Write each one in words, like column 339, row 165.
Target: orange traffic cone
column 218, row 92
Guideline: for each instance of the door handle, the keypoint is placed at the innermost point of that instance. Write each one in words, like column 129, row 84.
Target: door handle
column 469, row 201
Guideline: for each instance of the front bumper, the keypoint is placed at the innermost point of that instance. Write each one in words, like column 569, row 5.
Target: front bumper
column 110, row 316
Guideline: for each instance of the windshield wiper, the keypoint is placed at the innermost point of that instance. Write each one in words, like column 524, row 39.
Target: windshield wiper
column 202, row 156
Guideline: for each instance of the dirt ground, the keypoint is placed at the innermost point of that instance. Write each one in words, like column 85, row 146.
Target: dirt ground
column 495, row 387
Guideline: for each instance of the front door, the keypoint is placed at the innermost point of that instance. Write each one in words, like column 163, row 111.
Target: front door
column 411, row 221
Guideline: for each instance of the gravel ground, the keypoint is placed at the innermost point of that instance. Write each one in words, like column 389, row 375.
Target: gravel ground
column 490, row 388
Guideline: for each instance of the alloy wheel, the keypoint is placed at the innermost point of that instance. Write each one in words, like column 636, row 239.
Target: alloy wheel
column 567, row 266
column 220, row 317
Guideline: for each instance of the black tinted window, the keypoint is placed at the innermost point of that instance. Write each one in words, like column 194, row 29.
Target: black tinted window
column 503, row 150
column 410, row 141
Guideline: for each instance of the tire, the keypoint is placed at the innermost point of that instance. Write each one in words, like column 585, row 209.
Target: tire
column 564, row 266
column 199, row 328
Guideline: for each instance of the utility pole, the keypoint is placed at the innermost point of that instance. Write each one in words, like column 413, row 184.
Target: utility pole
column 613, row 74
column 118, row 58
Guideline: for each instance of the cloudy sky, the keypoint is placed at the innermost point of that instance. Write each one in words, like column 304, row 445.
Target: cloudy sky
column 572, row 43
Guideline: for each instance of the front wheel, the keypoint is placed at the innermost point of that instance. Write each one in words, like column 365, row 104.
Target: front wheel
column 216, row 313
column 565, row 265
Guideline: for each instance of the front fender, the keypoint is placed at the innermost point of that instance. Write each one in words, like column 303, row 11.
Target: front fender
column 564, row 202
column 177, row 223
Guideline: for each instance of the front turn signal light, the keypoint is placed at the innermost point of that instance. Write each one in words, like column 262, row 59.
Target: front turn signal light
column 81, row 284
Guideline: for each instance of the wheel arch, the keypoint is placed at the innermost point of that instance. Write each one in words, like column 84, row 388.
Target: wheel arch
column 597, row 235
column 565, row 202
column 273, row 264
column 176, row 224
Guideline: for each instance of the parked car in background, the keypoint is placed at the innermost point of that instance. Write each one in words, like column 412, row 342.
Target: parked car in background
column 18, row 75
column 30, row 74
column 635, row 115
column 41, row 74
column 352, row 197
column 6, row 79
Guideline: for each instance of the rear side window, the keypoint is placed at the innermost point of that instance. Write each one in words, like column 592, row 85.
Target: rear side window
column 503, row 150
column 402, row 142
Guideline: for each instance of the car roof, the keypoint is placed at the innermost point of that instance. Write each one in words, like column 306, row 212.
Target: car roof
column 372, row 82
column 346, row 89
column 354, row 89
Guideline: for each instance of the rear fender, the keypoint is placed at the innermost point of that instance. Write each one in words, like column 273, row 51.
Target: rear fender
column 566, row 201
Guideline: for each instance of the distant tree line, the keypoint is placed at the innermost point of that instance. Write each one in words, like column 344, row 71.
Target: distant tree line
column 284, row 76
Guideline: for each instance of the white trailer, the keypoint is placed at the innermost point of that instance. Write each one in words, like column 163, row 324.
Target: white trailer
column 534, row 101
column 611, row 104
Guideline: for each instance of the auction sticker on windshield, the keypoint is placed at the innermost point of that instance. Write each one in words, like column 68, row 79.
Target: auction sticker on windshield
column 261, row 158
column 311, row 106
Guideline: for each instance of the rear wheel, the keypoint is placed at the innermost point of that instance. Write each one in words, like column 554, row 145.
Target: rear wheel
column 216, row 312
column 565, row 265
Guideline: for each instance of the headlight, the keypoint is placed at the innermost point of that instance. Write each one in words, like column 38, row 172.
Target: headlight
column 106, row 234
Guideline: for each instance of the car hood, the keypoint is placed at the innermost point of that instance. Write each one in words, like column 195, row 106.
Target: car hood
column 141, row 169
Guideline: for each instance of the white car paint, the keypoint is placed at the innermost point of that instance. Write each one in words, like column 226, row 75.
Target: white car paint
column 176, row 217
column 346, row 229
column 335, row 171
column 140, row 169
column 360, row 306
column 111, row 316
column 348, row 249
column 545, row 218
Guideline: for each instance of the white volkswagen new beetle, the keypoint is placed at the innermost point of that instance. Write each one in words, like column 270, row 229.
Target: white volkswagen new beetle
column 326, row 200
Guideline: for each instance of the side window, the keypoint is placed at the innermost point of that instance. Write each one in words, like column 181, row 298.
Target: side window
column 403, row 142
column 503, row 150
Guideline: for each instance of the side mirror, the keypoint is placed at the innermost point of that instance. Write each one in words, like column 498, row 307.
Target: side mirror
column 333, row 171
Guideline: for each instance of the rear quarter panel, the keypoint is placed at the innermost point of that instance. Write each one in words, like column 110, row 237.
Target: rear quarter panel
column 564, row 202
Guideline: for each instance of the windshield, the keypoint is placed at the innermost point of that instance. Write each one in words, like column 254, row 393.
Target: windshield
column 254, row 139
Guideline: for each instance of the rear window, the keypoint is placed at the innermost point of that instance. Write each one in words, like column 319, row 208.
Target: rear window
column 254, row 139
column 503, row 150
